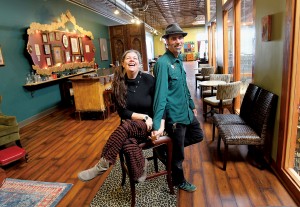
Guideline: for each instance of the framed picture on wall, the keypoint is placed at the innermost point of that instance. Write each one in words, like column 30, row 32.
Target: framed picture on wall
column 68, row 56
column 57, row 54
column 80, row 45
column 266, row 28
column 74, row 46
column 51, row 36
column 47, row 49
column 44, row 37
column 103, row 49
column 1, row 57
column 65, row 41
column 57, row 36
column 48, row 61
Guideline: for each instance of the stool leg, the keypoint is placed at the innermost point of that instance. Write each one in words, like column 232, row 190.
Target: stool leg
column 26, row 157
column 18, row 143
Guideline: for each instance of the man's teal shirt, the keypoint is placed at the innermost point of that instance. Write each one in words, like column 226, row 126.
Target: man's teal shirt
column 171, row 92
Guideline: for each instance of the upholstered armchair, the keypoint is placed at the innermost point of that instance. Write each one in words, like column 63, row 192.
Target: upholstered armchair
column 220, row 77
column 9, row 129
column 225, row 98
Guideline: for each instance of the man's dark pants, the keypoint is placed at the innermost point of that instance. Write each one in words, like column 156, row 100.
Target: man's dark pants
column 182, row 135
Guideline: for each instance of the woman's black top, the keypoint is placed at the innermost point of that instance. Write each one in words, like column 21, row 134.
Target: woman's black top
column 140, row 94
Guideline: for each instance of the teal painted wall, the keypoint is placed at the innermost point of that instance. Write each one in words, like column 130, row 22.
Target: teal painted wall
column 269, row 55
column 15, row 18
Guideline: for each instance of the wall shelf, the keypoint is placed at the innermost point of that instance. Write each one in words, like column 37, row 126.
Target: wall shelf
column 36, row 86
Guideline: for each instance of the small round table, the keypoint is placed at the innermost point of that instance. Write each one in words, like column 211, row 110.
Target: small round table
column 211, row 84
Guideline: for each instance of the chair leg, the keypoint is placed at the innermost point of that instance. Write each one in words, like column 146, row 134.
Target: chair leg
column 204, row 110
column 123, row 169
column 219, row 146
column 225, row 156
column 213, row 131
column 132, row 187
column 155, row 162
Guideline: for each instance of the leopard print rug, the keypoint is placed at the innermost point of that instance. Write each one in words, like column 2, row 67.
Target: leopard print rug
column 153, row 192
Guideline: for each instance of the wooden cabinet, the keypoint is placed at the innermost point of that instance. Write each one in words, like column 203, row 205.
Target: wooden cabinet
column 189, row 57
column 125, row 37
column 88, row 93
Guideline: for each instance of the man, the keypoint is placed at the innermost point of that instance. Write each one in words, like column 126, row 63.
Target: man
column 172, row 95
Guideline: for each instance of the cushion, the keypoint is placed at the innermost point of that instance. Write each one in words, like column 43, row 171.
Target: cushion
column 8, row 120
column 220, row 119
column 5, row 130
column 11, row 154
column 239, row 135
column 214, row 102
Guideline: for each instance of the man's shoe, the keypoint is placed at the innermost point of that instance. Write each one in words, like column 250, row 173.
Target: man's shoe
column 187, row 186
column 91, row 173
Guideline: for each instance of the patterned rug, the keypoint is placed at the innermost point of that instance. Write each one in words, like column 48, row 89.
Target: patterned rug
column 27, row 193
column 153, row 192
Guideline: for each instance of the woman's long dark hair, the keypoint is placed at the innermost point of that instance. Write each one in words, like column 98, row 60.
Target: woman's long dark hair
column 118, row 85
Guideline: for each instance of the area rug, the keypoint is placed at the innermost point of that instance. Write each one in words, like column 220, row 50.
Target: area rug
column 27, row 193
column 153, row 192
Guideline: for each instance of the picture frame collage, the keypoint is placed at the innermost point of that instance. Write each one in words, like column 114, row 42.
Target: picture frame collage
column 60, row 48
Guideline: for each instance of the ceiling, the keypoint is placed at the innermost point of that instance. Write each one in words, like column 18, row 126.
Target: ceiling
column 157, row 14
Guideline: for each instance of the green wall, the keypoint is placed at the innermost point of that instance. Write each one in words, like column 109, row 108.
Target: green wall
column 268, row 62
column 269, row 55
column 15, row 18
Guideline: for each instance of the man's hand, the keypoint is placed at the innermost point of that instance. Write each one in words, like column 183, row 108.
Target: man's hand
column 195, row 112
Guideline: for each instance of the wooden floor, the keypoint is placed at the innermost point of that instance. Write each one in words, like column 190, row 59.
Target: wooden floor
column 59, row 147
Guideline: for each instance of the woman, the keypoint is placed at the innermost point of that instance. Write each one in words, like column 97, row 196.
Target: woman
column 134, row 92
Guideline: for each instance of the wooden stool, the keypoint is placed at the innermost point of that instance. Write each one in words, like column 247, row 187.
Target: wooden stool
column 12, row 154
column 2, row 176
column 148, row 145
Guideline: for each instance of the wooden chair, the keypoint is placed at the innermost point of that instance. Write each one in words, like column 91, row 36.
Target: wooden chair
column 109, row 103
column 225, row 98
column 124, row 160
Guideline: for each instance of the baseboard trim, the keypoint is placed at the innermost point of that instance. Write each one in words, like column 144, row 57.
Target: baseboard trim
column 38, row 116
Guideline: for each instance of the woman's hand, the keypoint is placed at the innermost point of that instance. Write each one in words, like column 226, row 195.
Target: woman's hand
column 157, row 133
column 149, row 123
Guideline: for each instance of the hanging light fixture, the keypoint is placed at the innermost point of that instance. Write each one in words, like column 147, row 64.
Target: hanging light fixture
column 116, row 11
column 132, row 20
